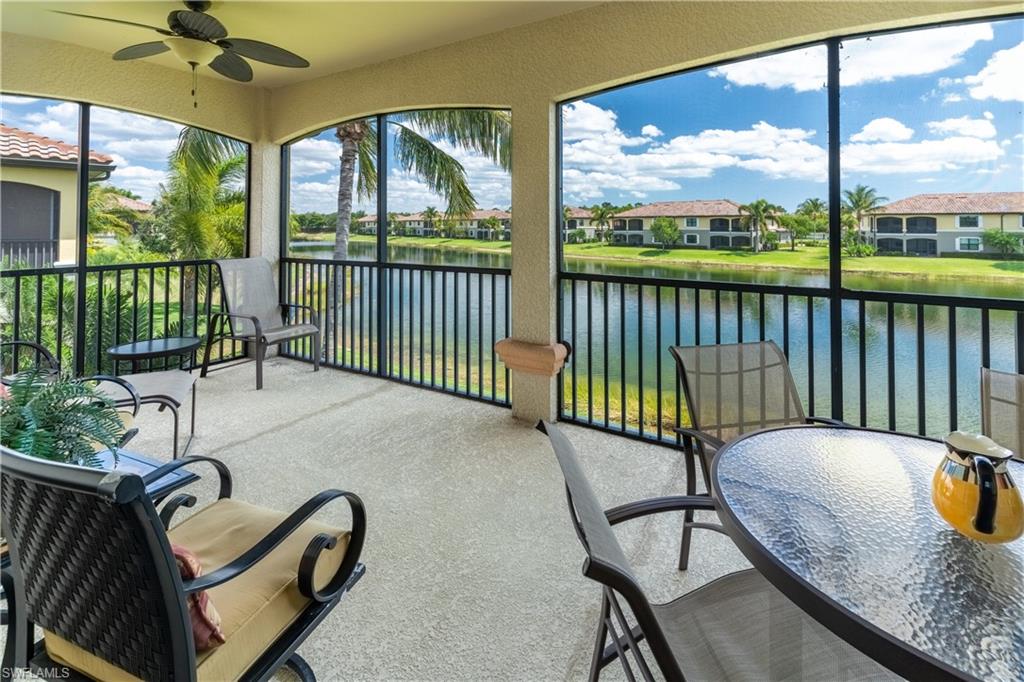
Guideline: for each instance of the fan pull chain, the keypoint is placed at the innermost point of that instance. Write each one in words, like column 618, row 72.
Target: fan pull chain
column 195, row 85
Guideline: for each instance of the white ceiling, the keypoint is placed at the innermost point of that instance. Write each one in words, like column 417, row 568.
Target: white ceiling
column 333, row 36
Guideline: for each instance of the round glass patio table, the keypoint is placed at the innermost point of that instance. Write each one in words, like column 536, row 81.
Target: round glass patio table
column 841, row 521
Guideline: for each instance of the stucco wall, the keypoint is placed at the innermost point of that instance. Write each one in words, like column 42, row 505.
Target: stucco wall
column 45, row 68
column 64, row 181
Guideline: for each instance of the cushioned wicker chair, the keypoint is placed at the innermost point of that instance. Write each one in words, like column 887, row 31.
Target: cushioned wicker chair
column 255, row 314
column 91, row 565
column 736, row 627
column 731, row 389
column 1002, row 409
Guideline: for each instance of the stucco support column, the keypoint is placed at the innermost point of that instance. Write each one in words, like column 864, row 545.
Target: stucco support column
column 534, row 270
column 265, row 201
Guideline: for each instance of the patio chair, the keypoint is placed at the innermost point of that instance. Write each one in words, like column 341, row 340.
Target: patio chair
column 92, row 566
column 42, row 360
column 731, row 389
column 255, row 314
column 1002, row 409
column 167, row 388
column 736, row 627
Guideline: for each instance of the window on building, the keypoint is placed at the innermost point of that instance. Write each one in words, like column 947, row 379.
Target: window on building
column 889, row 225
column 635, row 224
column 719, row 224
column 968, row 244
column 968, row 221
column 921, row 225
column 691, row 222
column 691, row 239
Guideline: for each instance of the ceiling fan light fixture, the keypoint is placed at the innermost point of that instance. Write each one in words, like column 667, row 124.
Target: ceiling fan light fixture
column 192, row 51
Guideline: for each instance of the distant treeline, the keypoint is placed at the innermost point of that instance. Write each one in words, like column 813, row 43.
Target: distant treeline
column 321, row 222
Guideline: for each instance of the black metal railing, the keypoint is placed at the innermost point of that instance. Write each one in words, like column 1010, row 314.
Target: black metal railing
column 123, row 302
column 32, row 253
column 431, row 326
column 910, row 362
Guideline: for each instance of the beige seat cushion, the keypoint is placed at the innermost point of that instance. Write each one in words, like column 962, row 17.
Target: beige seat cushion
column 292, row 331
column 255, row 608
column 168, row 386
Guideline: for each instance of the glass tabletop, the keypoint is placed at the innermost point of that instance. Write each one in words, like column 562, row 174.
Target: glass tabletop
column 848, row 512
column 151, row 348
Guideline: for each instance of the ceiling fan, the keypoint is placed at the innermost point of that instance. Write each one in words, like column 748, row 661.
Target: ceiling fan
column 198, row 39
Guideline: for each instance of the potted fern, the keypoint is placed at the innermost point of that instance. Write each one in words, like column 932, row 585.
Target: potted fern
column 58, row 418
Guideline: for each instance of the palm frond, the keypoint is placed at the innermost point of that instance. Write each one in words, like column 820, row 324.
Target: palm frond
column 205, row 149
column 487, row 131
column 443, row 174
column 366, row 157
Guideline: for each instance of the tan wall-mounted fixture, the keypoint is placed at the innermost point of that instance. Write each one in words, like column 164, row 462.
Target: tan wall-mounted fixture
column 533, row 358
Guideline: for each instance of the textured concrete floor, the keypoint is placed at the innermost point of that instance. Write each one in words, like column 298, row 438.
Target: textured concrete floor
column 473, row 569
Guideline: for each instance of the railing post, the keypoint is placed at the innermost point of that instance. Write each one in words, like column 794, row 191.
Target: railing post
column 82, row 239
column 835, row 262
column 382, row 243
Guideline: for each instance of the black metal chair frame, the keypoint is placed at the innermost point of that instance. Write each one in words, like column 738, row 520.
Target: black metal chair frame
column 703, row 445
column 612, row 624
column 116, row 488
column 256, row 338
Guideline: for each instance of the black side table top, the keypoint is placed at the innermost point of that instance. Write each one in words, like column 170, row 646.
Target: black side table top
column 146, row 349
column 134, row 463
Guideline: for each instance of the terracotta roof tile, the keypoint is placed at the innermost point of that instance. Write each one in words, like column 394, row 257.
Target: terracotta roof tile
column 16, row 143
column 134, row 204
column 960, row 202
column 577, row 212
column 679, row 209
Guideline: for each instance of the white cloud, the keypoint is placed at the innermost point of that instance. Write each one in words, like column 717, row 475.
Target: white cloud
column 867, row 60
column 952, row 98
column 1002, row 78
column 651, row 131
column 927, row 156
column 965, row 126
column 141, row 180
column 153, row 151
column 989, row 115
column 925, row 181
column 314, row 156
column 883, row 130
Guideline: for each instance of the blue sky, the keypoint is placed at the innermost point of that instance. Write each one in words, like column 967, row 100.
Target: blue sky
column 935, row 110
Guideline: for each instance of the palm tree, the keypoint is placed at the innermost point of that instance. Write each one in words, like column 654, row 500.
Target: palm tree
column 602, row 216
column 106, row 213
column 484, row 131
column 860, row 200
column 813, row 208
column 202, row 205
column 759, row 213
column 430, row 216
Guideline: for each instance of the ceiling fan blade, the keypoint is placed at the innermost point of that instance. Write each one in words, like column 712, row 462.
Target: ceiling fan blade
column 232, row 66
column 196, row 25
column 162, row 31
column 139, row 51
column 264, row 52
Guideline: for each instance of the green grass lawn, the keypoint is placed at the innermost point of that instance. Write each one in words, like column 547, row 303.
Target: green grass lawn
column 808, row 258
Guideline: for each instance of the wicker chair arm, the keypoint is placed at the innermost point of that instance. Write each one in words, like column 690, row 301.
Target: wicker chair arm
column 706, row 438
column 658, row 505
column 307, row 563
column 314, row 318
column 132, row 393
column 47, row 355
column 828, row 421
column 257, row 328
column 222, row 471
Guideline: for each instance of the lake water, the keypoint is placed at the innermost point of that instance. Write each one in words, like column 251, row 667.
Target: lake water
column 641, row 318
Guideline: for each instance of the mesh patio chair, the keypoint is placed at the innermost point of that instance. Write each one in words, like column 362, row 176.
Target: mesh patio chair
column 736, row 627
column 1002, row 409
column 255, row 314
column 167, row 388
column 731, row 389
column 91, row 565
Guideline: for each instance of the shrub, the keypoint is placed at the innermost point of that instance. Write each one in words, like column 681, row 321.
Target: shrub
column 1005, row 243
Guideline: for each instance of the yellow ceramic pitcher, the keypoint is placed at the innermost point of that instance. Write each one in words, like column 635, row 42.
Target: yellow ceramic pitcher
column 973, row 491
